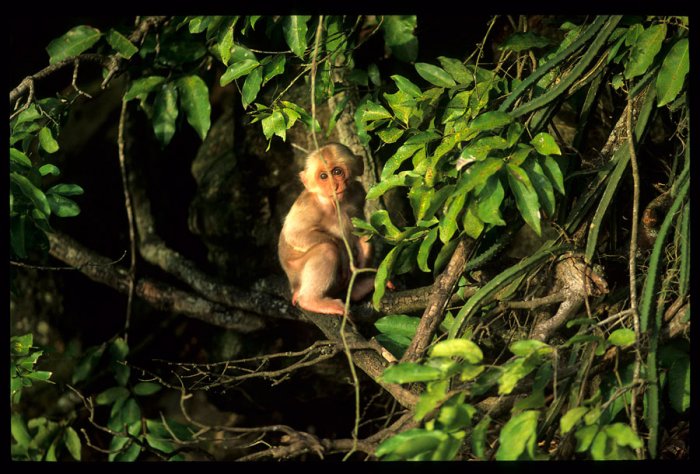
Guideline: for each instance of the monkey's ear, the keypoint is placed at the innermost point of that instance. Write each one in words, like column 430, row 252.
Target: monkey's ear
column 302, row 176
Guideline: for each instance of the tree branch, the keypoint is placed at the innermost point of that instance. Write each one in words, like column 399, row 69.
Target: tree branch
column 435, row 312
column 160, row 295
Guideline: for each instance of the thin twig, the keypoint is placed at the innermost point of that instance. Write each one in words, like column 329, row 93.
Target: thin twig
column 633, row 271
column 73, row 83
column 130, row 216
column 78, row 268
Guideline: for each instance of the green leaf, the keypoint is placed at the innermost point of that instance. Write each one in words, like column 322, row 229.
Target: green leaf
column 294, row 29
column 679, row 384
column 74, row 42
column 518, row 437
column 622, row 337
column 408, row 372
column 472, row 225
column 424, row 250
column 545, row 191
column 112, row 394
column 672, row 74
column 72, row 442
column 63, row 206
column 47, row 141
column 623, row 435
column 435, row 393
column 238, row 69
column 398, row 324
column 514, row 371
column 17, row 234
column 448, row 222
column 34, row 194
column 463, row 348
column 435, row 75
column 88, row 362
column 399, row 36
column 121, row 44
column 553, row 172
column 490, row 121
column 383, row 275
column 372, row 111
column 131, row 413
column 525, row 347
column 406, row 86
column 479, row 437
column 402, row 104
column 194, row 98
column 19, row 430
column 584, row 437
column 251, row 87
column 49, row 168
column 19, row 158
column 274, row 125
column 646, row 47
column 522, row 41
column 457, row 106
column 272, row 66
column 456, row 69
column 141, row 87
column 489, row 201
column 570, row 418
column 225, row 40
column 165, row 113
column 65, row 189
column 545, row 145
column 391, row 182
column 373, row 74
column 146, row 388
column 390, row 135
column 525, row 197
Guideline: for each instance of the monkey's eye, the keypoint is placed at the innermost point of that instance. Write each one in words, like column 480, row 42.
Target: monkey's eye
column 337, row 171
column 323, row 175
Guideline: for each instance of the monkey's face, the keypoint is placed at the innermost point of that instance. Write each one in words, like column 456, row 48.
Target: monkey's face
column 332, row 180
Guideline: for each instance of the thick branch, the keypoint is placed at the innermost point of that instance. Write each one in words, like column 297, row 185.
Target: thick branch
column 160, row 295
column 435, row 312
column 368, row 360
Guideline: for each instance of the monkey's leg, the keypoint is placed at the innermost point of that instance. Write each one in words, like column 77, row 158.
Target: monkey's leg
column 317, row 277
column 363, row 286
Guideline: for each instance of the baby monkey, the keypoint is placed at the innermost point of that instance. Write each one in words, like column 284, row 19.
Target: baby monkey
column 311, row 248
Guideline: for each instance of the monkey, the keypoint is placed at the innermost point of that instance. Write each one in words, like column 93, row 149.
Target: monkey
column 311, row 248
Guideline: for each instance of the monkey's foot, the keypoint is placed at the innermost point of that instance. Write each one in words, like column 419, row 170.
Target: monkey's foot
column 361, row 288
column 322, row 305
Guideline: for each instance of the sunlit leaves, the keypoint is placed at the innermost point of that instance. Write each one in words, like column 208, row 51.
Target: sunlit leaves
column 165, row 113
column 462, row 348
column 121, row 44
column 457, row 70
column 72, row 43
column 238, row 69
column 408, row 372
column 399, row 36
column 646, row 47
column 141, row 87
column 522, row 41
column 47, row 141
column 526, row 198
column 518, row 438
column 545, row 145
column 295, row 29
column 194, row 99
column 435, row 75
column 671, row 77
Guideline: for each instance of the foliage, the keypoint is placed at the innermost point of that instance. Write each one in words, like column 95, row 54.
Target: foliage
column 474, row 149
